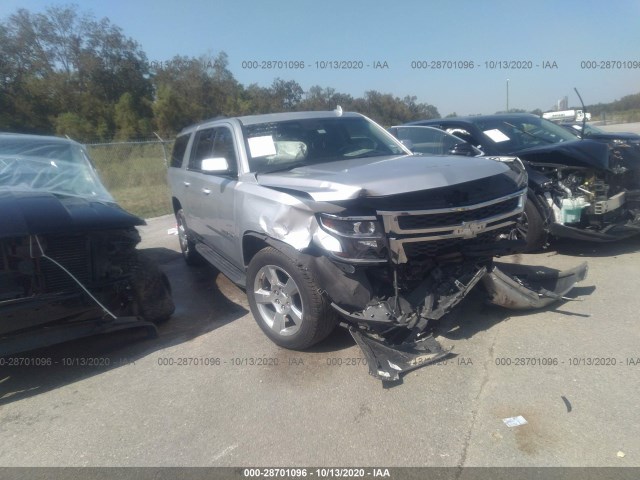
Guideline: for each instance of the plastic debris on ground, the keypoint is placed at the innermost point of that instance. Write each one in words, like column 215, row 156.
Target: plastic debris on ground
column 514, row 421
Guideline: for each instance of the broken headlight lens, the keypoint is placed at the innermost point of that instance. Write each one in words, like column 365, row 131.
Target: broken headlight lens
column 358, row 239
column 516, row 165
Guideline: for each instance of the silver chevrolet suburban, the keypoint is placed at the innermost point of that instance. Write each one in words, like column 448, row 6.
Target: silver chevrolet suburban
column 325, row 218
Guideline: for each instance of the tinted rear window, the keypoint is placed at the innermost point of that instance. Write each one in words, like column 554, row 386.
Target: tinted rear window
column 179, row 148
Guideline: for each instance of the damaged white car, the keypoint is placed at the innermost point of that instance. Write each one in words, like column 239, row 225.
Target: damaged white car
column 326, row 218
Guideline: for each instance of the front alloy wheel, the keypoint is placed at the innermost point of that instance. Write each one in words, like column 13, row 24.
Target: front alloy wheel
column 286, row 301
column 278, row 299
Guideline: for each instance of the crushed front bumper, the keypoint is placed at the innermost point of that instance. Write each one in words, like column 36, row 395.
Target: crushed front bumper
column 24, row 326
column 394, row 343
column 59, row 333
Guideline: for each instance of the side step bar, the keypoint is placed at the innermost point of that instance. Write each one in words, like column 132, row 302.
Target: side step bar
column 236, row 276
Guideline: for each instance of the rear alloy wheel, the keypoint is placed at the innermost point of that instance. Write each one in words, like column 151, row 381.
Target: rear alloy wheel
column 286, row 301
column 187, row 246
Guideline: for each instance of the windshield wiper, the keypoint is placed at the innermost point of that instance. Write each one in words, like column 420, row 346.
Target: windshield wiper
column 287, row 166
column 369, row 153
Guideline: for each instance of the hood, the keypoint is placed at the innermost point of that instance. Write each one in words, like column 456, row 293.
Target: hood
column 382, row 176
column 625, row 136
column 25, row 213
column 577, row 153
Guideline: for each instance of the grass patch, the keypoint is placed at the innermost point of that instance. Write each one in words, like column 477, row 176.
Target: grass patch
column 136, row 176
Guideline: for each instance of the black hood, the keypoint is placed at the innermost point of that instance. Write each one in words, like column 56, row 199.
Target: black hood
column 578, row 153
column 25, row 213
column 624, row 136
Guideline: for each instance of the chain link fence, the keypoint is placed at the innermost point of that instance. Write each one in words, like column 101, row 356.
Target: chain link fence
column 135, row 173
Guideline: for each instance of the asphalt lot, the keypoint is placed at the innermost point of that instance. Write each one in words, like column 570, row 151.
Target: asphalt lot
column 321, row 407
column 627, row 127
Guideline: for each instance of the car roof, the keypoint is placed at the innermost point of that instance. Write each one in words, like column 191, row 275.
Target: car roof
column 35, row 138
column 417, row 126
column 274, row 117
column 473, row 118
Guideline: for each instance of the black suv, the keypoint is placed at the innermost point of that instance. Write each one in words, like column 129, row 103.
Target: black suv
column 68, row 260
column 585, row 189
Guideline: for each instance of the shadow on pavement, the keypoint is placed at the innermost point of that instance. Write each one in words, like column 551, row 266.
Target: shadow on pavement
column 592, row 249
column 201, row 307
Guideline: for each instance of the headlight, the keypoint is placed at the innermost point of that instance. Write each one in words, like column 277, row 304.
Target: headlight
column 356, row 239
column 516, row 165
column 351, row 226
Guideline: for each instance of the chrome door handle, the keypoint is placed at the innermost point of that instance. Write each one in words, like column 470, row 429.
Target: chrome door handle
column 186, row 184
column 206, row 191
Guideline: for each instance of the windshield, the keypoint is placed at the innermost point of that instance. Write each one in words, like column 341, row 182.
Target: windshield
column 591, row 130
column 508, row 135
column 576, row 129
column 431, row 141
column 285, row 145
column 48, row 165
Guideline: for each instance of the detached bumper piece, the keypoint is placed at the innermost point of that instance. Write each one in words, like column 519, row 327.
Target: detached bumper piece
column 405, row 343
column 522, row 287
column 387, row 362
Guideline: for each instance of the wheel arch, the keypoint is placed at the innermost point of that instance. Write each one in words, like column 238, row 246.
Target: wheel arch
column 253, row 242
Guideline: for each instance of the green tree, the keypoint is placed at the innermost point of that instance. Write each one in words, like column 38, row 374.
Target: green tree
column 126, row 118
column 168, row 111
column 62, row 61
column 201, row 87
column 74, row 126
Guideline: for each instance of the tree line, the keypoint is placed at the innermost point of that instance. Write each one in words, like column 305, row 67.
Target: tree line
column 64, row 72
column 626, row 105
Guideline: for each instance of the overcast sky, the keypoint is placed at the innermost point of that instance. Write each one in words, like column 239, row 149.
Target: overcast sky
column 368, row 33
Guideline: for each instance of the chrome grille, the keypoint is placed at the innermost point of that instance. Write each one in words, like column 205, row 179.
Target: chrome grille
column 431, row 232
column 416, row 222
column 442, row 247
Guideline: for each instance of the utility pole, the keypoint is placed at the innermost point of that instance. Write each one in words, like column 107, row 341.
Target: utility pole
column 507, row 95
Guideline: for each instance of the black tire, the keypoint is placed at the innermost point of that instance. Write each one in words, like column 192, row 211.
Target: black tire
column 151, row 291
column 530, row 228
column 187, row 246
column 305, row 316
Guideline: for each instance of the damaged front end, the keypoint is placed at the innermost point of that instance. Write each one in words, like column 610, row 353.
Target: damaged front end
column 395, row 333
column 59, row 287
column 399, row 252
column 69, row 267
column 587, row 190
column 390, row 276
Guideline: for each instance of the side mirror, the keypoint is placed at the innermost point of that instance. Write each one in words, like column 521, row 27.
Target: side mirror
column 215, row 165
column 465, row 149
column 407, row 143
